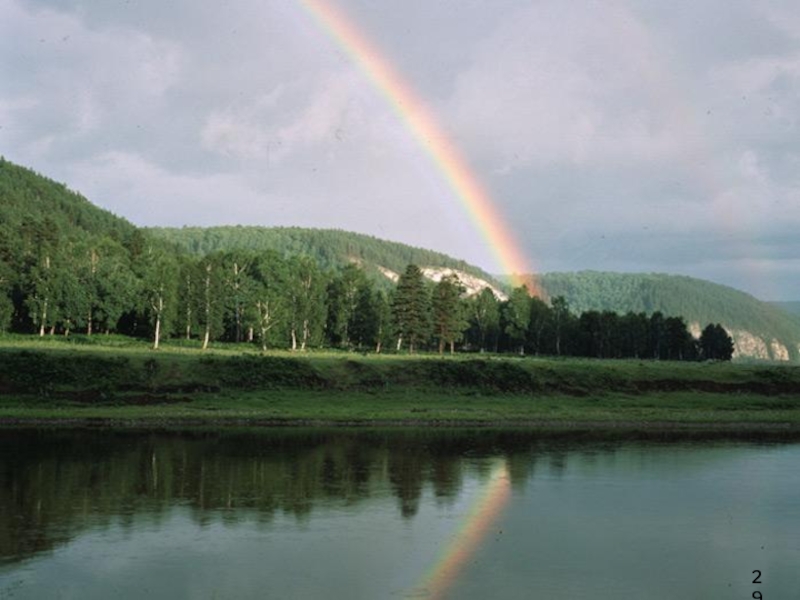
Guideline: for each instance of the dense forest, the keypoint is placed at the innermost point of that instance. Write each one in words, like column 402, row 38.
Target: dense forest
column 694, row 299
column 789, row 307
column 67, row 267
column 330, row 248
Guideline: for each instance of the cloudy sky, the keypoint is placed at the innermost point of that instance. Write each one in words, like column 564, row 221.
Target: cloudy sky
column 630, row 135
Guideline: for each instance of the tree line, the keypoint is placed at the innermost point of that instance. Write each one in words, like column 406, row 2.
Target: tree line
column 143, row 287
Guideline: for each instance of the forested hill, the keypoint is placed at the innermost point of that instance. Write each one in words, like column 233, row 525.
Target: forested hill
column 790, row 307
column 755, row 324
column 330, row 248
column 38, row 210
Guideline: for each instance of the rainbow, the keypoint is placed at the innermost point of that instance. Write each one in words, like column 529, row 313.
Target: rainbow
column 430, row 137
column 482, row 515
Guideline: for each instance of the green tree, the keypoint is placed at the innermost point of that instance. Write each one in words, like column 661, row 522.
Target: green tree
column 158, row 271
column 6, row 305
column 269, row 295
column 188, row 291
column 345, row 291
column 635, row 332
column 42, row 291
column 375, row 326
column 658, row 334
column 210, row 286
column 372, row 318
column 715, row 343
column 679, row 342
column 104, row 273
column 484, row 313
column 411, row 309
column 561, row 322
column 591, row 334
column 516, row 316
column 237, row 288
column 449, row 320
column 306, row 292
column 73, row 299
column 540, row 317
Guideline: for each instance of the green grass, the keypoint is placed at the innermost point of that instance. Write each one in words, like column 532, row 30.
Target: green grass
column 364, row 408
column 123, row 382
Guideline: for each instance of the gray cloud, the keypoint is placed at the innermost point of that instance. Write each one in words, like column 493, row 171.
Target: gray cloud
column 631, row 135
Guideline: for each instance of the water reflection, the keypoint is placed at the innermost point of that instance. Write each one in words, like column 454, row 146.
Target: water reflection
column 380, row 509
column 56, row 482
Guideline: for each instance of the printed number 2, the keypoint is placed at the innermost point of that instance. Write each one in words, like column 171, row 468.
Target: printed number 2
column 757, row 595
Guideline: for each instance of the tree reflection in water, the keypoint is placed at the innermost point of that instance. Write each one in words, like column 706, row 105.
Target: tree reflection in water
column 57, row 483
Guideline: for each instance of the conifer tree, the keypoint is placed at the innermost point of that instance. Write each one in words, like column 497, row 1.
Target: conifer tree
column 715, row 343
column 449, row 322
column 411, row 309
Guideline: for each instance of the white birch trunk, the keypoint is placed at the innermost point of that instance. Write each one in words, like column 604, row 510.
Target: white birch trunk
column 43, row 318
column 158, row 332
column 159, row 309
column 305, row 335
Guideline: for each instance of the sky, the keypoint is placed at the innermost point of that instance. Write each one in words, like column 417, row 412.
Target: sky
column 629, row 135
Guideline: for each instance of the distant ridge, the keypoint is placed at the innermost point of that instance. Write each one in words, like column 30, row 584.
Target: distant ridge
column 760, row 329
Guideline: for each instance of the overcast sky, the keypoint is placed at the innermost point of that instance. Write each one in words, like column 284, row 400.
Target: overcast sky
column 629, row 136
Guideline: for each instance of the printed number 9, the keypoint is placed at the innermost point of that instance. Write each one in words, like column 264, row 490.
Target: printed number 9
column 757, row 595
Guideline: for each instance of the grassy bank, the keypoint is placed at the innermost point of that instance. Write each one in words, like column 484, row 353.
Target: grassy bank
column 131, row 385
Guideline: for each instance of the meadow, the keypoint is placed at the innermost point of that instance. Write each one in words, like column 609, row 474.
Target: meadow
column 116, row 381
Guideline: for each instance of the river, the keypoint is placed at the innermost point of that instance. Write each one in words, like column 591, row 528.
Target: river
column 433, row 513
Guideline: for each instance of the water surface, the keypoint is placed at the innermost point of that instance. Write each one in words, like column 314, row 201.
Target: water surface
column 391, row 514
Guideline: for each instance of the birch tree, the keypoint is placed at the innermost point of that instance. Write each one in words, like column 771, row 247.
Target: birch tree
column 269, row 295
column 158, row 271
column 306, row 302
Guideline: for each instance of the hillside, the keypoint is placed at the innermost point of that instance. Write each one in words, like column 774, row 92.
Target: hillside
column 330, row 248
column 64, row 262
column 792, row 308
column 37, row 210
column 759, row 329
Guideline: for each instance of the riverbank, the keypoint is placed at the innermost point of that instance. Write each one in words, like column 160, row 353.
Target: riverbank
column 132, row 387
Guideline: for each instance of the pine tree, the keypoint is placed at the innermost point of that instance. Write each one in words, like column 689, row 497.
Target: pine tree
column 411, row 309
column 715, row 343
column 449, row 322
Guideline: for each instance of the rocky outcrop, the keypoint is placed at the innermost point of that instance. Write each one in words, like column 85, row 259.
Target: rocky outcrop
column 473, row 285
column 779, row 351
column 747, row 345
